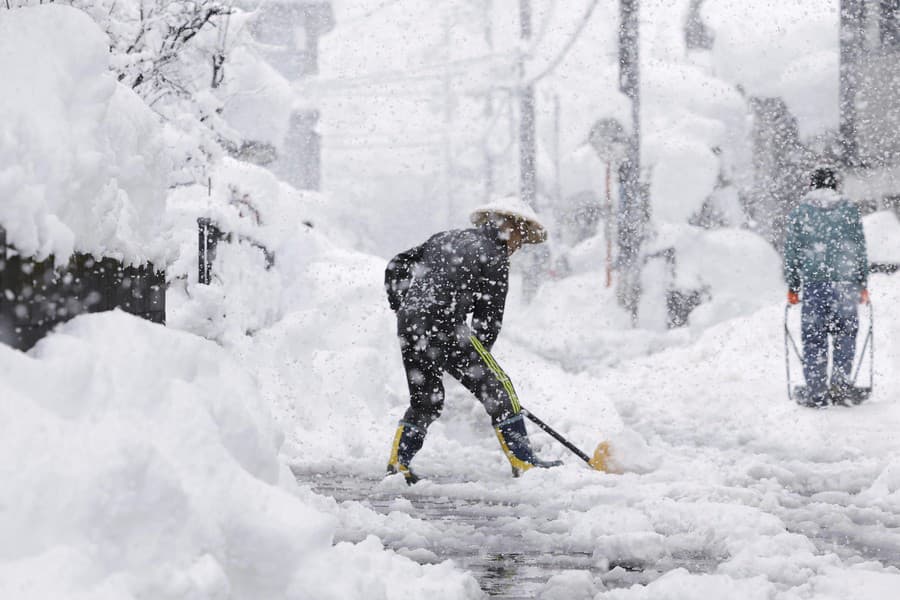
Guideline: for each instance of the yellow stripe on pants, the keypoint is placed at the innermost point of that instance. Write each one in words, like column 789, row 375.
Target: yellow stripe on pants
column 502, row 377
column 395, row 447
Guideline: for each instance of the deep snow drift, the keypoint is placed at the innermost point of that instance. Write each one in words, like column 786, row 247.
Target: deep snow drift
column 141, row 462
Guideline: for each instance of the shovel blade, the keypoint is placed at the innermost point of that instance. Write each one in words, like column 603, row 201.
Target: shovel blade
column 600, row 459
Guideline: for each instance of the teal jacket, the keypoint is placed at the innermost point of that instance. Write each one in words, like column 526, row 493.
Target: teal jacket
column 825, row 242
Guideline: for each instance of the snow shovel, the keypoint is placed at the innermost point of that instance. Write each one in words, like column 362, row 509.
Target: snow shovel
column 601, row 454
column 857, row 394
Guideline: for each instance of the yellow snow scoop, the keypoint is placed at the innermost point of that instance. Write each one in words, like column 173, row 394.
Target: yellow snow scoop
column 600, row 460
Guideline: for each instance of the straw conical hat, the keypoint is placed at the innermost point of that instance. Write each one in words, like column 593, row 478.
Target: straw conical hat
column 515, row 208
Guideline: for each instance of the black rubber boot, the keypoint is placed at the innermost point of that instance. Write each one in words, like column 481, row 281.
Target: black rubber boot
column 515, row 444
column 407, row 442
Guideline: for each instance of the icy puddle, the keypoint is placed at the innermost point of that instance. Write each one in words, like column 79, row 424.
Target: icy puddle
column 487, row 538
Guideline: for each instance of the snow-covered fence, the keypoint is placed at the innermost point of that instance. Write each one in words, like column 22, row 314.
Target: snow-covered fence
column 38, row 295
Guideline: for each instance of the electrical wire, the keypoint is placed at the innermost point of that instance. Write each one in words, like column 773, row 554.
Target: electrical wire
column 425, row 73
column 544, row 27
column 370, row 13
column 568, row 46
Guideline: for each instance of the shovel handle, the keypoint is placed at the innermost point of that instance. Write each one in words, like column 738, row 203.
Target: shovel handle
column 559, row 438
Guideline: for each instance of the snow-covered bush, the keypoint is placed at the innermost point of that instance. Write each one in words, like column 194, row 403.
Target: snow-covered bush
column 272, row 232
column 176, row 56
column 83, row 161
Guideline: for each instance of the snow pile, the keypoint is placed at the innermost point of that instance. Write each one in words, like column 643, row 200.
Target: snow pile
column 882, row 230
column 257, row 99
column 140, row 462
column 83, row 166
column 693, row 119
column 332, row 363
column 578, row 320
column 272, row 232
column 737, row 270
column 788, row 50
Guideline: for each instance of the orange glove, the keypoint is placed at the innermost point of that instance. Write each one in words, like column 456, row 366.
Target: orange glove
column 793, row 298
column 864, row 296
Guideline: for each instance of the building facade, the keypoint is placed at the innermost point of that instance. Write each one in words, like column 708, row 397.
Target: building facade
column 870, row 101
column 288, row 33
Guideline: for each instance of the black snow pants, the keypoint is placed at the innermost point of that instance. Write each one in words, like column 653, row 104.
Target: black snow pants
column 431, row 350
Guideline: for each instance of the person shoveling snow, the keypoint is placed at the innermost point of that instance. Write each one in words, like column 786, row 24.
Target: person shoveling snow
column 433, row 288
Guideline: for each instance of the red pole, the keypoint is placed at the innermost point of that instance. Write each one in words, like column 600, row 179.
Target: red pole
column 608, row 228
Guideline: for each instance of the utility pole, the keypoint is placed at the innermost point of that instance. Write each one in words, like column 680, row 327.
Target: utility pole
column 488, row 107
column 527, row 163
column 611, row 143
column 527, row 174
column 607, row 224
column 446, row 139
column 852, row 39
column 557, row 117
column 633, row 210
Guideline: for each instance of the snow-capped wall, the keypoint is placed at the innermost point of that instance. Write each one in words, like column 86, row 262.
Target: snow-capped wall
column 83, row 166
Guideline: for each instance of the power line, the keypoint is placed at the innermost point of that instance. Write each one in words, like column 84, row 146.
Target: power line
column 370, row 13
column 426, row 73
column 568, row 46
column 384, row 145
column 548, row 16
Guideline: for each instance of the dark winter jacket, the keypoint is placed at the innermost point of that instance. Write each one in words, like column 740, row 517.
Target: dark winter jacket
column 825, row 242
column 453, row 274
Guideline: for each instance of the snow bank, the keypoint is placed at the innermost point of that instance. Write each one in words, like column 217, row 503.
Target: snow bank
column 738, row 270
column 882, row 230
column 791, row 51
column 83, row 166
column 337, row 343
column 682, row 585
column 578, row 321
column 262, row 215
column 258, row 100
column 141, row 462
column 687, row 113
